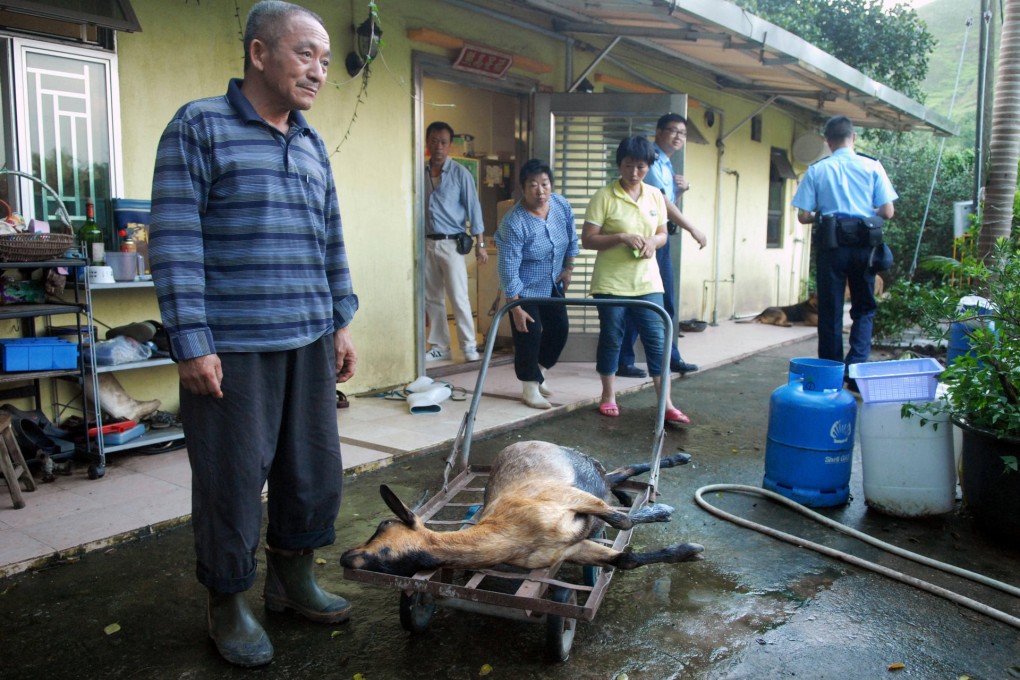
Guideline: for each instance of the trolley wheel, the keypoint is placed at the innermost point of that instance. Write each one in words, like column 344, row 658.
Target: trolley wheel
column 559, row 631
column 96, row 471
column 416, row 611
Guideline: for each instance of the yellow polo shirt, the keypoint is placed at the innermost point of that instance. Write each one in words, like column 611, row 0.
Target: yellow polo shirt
column 617, row 271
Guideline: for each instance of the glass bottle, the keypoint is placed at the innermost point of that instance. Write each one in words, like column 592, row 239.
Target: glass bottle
column 90, row 236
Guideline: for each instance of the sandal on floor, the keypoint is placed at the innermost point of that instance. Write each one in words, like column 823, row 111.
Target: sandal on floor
column 341, row 400
column 160, row 420
column 676, row 416
column 609, row 409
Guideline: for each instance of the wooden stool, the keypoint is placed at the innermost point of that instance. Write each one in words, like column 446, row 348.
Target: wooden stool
column 12, row 463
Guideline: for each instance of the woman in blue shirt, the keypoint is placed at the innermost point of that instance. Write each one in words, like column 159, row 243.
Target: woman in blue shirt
column 537, row 243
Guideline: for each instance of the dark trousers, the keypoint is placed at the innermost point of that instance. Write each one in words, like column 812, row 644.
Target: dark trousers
column 630, row 329
column 544, row 341
column 276, row 422
column 834, row 269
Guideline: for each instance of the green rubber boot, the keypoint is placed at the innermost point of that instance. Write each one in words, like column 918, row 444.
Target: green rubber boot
column 290, row 584
column 239, row 638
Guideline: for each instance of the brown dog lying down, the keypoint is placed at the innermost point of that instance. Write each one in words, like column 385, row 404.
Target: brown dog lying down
column 804, row 313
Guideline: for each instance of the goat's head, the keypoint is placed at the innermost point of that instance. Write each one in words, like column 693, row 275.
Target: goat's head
column 398, row 546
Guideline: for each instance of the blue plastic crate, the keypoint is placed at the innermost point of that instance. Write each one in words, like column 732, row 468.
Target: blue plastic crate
column 117, row 438
column 38, row 354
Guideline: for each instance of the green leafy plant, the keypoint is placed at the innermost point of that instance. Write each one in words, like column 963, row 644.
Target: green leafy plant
column 983, row 386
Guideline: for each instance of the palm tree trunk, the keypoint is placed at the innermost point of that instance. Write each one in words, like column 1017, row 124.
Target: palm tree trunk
column 1004, row 148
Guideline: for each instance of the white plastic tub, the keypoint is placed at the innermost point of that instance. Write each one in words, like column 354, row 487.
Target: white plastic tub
column 908, row 468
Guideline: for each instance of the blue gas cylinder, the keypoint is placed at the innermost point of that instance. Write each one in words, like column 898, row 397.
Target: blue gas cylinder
column 810, row 443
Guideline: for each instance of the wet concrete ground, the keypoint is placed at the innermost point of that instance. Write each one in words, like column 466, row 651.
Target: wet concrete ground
column 753, row 608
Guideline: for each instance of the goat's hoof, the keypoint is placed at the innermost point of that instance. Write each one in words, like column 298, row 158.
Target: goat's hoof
column 658, row 512
column 686, row 552
column 676, row 459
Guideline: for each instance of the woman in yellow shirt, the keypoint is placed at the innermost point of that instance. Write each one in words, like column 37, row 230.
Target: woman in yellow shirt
column 626, row 222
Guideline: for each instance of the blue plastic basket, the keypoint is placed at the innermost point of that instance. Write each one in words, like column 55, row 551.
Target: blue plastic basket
column 903, row 380
column 38, row 354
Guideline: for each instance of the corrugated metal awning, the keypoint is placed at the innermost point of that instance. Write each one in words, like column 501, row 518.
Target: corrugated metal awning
column 115, row 14
column 743, row 52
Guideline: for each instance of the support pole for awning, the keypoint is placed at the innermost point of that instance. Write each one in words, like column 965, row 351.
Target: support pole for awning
column 591, row 67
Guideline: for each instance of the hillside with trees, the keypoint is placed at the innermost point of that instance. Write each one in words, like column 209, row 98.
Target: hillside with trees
column 946, row 20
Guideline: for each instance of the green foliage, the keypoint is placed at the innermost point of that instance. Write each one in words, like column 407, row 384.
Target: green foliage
column 946, row 20
column 891, row 46
column 910, row 162
column 899, row 312
column 984, row 385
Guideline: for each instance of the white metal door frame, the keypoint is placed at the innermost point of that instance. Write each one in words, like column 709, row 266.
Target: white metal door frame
column 578, row 134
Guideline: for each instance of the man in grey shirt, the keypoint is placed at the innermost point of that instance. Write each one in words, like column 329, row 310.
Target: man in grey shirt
column 451, row 204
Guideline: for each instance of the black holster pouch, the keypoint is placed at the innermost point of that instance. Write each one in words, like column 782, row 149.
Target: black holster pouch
column 872, row 227
column 826, row 226
column 464, row 243
column 849, row 231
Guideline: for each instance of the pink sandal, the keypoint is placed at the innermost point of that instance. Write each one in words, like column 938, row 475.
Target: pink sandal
column 609, row 409
column 676, row 416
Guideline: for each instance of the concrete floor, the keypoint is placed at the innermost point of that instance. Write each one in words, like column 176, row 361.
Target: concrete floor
column 144, row 494
column 753, row 608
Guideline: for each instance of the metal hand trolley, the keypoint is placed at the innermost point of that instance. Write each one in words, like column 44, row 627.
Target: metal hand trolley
column 536, row 596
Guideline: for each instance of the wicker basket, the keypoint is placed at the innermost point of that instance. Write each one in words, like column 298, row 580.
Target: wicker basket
column 34, row 247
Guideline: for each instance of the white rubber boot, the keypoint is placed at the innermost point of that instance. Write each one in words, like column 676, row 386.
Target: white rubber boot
column 534, row 398
column 543, row 386
column 116, row 402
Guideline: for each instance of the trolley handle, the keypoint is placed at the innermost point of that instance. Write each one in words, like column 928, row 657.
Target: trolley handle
column 462, row 444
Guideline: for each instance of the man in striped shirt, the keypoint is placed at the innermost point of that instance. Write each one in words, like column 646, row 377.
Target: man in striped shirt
column 251, row 274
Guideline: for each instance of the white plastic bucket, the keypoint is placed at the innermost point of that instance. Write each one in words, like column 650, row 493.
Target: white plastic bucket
column 908, row 468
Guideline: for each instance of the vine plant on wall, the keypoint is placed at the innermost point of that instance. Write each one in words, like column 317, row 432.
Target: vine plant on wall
column 368, row 46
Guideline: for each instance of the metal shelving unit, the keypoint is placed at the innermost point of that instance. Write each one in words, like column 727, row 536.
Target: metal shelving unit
column 152, row 436
column 82, row 309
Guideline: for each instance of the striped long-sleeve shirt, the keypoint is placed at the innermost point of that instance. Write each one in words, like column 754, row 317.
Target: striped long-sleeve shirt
column 246, row 243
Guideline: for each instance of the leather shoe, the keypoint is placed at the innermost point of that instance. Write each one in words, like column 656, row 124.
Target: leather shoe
column 682, row 367
column 631, row 372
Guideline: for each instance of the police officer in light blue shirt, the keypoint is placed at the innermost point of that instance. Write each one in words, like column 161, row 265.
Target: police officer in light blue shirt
column 844, row 186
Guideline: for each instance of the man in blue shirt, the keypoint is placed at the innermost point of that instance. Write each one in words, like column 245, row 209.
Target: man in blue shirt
column 451, row 202
column 251, row 274
column 845, row 186
column 670, row 137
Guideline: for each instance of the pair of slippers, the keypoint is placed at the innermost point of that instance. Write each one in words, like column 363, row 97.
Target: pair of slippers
column 673, row 415
column 341, row 400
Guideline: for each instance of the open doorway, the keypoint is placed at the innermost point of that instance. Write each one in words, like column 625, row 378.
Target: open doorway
column 490, row 123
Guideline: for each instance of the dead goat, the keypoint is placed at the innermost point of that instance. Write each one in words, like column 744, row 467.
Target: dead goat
column 542, row 504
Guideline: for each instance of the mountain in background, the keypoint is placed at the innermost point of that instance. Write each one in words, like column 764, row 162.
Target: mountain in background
column 947, row 22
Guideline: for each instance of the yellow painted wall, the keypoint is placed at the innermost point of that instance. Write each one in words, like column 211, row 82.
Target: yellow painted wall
column 190, row 50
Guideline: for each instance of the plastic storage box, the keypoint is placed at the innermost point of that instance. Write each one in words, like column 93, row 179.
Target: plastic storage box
column 38, row 354
column 903, row 380
column 119, row 433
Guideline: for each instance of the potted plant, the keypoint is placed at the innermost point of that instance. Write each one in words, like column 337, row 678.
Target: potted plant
column 982, row 382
